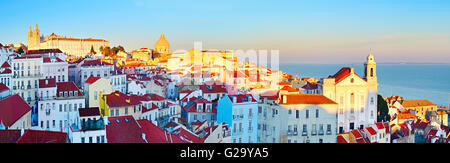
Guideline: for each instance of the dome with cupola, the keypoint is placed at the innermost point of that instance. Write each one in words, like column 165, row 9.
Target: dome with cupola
column 162, row 45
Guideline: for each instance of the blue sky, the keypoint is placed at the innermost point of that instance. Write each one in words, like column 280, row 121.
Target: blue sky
column 305, row 31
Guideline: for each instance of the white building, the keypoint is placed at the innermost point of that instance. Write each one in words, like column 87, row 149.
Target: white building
column 6, row 74
column 119, row 81
column 58, row 105
column 96, row 68
column 309, row 118
column 356, row 96
column 54, row 67
column 26, row 73
column 90, row 127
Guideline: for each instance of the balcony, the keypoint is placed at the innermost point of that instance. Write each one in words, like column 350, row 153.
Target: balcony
column 47, row 112
column 329, row 132
column 304, row 133
column 313, row 132
column 289, row 133
column 92, row 124
column 321, row 132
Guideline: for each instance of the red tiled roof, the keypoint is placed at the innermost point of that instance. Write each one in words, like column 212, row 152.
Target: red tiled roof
column 67, row 86
column 9, row 136
column 44, row 51
column 379, row 125
column 192, row 108
column 28, row 57
column 341, row 139
column 123, row 129
column 5, row 65
column 213, row 88
column 242, row 98
column 306, row 99
column 92, row 79
column 95, row 63
column 86, row 112
column 48, row 59
column 144, row 109
column 371, row 131
column 289, row 89
column 12, row 109
column 342, row 74
column 188, row 136
column 154, row 134
column 310, row 86
column 47, row 83
column 118, row 98
column 284, row 83
column 3, row 87
column 78, row 39
column 38, row 136
column 6, row 71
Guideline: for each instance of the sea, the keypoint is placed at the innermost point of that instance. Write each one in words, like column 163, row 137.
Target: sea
column 411, row 81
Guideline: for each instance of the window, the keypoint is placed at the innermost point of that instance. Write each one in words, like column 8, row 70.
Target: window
column 305, row 130
column 328, row 129
column 307, row 113
column 82, row 140
column 126, row 111
column 371, row 72
column 297, row 114
column 112, row 112
column 352, row 102
column 314, row 131
column 90, row 139
column 240, row 127
column 317, row 113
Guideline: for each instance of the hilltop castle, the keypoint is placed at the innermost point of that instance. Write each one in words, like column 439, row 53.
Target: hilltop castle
column 69, row 45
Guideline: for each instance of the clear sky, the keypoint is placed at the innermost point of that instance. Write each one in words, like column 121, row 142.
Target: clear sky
column 305, row 31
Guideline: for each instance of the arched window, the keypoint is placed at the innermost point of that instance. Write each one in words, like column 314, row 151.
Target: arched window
column 371, row 72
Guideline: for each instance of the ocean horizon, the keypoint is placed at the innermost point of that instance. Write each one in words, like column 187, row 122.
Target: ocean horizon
column 410, row 80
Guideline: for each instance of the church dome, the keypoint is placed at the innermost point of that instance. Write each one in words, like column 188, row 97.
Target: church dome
column 162, row 43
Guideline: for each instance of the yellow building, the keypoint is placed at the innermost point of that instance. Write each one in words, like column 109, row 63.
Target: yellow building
column 143, row 54
column 420, row 107
column 72, row 46
column 119, row 104
column 94, row 87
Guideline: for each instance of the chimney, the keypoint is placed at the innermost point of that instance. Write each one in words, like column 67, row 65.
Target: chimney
column 352, row 70
column 234, row 99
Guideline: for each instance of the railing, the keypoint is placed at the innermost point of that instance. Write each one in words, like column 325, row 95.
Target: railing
column 321, row 132
column 304, row 133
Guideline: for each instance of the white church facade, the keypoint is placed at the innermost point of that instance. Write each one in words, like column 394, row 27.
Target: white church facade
column 356, row 96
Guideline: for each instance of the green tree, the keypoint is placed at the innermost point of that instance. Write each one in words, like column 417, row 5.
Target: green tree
column 20, row 50
column 92, row 51
column 382, row 110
